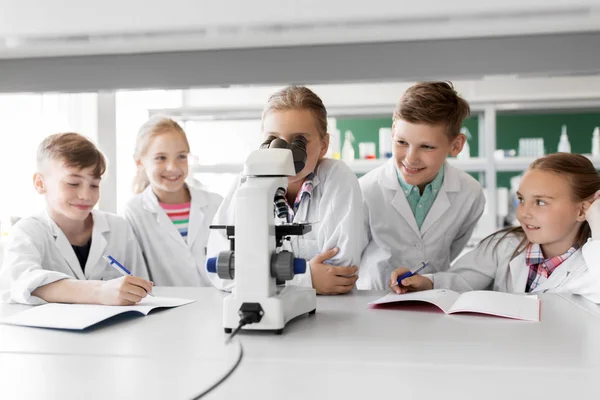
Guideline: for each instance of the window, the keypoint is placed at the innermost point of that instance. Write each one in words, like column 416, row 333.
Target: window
column 26, row 120
column 132, row 111
column 224, row 145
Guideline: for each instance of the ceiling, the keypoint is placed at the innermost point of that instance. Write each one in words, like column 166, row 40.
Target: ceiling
column 51, row 28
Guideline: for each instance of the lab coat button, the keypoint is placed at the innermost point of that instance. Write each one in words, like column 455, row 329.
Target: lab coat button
column 418, row 245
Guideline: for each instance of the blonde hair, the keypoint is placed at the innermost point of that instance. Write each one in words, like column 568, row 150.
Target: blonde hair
column 433, row 103
column 155, row 126
column 299, row 98
column 74, row 150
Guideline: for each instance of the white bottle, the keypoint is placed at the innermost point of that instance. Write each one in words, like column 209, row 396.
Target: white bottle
column 385, row 143
column 465, row 153
column 348, row 147
column 596, row 142
column 563, row 145
column 334, row 144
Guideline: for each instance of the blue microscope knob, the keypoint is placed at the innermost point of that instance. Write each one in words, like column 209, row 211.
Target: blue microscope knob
column 211, row 264
column 299, row 266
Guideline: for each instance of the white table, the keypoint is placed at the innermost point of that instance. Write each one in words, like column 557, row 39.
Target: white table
column 346, row 351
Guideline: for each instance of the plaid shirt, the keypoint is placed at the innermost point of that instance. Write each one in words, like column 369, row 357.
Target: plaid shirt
column 539, row 268
column 283, row 208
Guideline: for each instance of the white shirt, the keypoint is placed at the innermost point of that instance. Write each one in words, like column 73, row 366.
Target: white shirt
column 39, row 253
column 395, row 240
column 491, row 266
column 170, row 260
column 335, row 210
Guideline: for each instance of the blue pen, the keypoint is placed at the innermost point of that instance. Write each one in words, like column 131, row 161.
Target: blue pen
column 410, row 273
column 119, row 267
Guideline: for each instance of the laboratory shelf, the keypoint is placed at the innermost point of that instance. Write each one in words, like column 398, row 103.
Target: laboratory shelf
column 515, row 164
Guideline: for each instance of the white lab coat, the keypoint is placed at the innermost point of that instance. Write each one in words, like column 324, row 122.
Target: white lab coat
column 491, row 266
column 170, row 260
column 394, row 237
column 334, row 209
column 39, row 253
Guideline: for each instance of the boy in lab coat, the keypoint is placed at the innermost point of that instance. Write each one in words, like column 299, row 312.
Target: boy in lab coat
column 56, row 255
column 418, row 208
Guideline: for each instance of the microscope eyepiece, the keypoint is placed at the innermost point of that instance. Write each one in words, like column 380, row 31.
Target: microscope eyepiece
column 267, row 142
column 298, row 147
column 278, row 143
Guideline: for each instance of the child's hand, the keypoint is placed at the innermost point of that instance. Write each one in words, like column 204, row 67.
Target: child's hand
column 329, row 279
column 415, row 283
column 124, row 291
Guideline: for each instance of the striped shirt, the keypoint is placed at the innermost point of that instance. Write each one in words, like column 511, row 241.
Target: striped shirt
column 179, row 214
column 539, row 268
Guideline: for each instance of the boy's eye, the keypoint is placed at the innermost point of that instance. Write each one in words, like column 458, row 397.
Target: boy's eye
column 183, row 156
column 96, row 186
column 72, row 184
column 401, row 142
column 428, row 147
column 160, row 158
column 540, row 202
column 520, row 200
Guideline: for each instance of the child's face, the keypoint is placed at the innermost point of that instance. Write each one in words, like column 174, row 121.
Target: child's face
column 546, row 211
column 286, row 124
column 166, row 162
column 420, row 150
column 70, row 192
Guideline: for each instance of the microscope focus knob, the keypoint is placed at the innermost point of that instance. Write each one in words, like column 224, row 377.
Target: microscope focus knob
column 211, row 264
column 284, row 266
column 299, row 266
column 225, row 265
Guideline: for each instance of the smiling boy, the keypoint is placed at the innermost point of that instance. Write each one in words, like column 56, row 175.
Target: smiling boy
column 417, row 207
column 56, row 255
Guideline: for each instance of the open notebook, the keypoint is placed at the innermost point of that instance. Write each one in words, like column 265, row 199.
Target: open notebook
column 507, row 305
column 81, row 316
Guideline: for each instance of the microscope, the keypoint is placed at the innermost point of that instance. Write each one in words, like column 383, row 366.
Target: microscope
column 255, row 260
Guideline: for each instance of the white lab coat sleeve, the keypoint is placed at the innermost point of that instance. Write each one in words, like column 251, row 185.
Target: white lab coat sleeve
column 367, row 237
column 367, row 225
column 134, row 256
column 588, row 283
column 136, row 226
column 341, row 222
column 475, row 270
column 466, row 230
column 217, row 238
column 22, row 271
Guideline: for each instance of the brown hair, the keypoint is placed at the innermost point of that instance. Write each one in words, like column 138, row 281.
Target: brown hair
column 74, row 150
column 299, row 98
column 155, row 126
column 583, row 179
column 433, row 103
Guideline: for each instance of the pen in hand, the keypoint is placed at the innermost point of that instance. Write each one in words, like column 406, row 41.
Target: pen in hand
column 121, row 268
column 410, row 273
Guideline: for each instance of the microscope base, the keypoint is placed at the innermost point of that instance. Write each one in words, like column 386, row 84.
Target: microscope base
column 290, row 302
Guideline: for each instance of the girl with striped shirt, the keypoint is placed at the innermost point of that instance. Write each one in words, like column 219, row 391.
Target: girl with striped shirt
column 170, row 217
